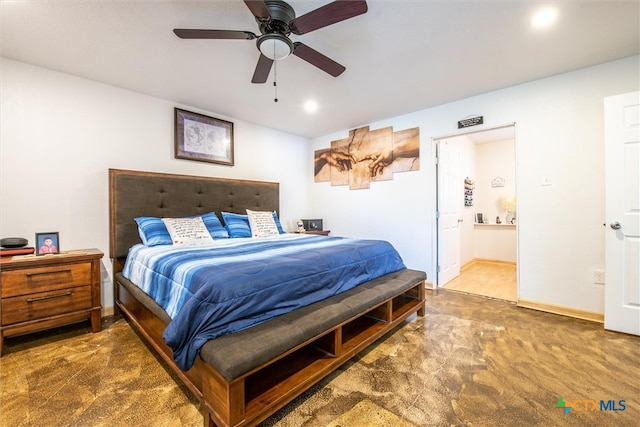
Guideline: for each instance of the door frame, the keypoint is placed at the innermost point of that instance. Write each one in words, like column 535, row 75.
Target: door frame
column 435, row 142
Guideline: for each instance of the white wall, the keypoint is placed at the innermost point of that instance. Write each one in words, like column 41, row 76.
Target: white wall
column 494, row 159
column 559, row 133
column 60, row 135
column 495, row 242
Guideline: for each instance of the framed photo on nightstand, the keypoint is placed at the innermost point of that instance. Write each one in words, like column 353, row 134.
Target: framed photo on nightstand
column 47, row 243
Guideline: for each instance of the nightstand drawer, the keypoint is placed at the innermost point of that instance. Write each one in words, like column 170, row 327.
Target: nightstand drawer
column 42, row 279
column 45, row 304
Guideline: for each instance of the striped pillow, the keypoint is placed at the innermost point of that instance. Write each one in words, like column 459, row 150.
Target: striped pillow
column 240, row 224
column 153, row 232
column 237, row 225
column 278, row 225
column 215, row 227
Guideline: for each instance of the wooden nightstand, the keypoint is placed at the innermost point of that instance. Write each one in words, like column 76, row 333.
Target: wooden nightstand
column 40, row 292
column 320, row 232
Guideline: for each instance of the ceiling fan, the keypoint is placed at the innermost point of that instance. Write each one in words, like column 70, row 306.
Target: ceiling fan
column 276, row 20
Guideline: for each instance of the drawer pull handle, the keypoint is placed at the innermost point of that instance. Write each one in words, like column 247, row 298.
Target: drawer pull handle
column 67, row 294
column 68, row 270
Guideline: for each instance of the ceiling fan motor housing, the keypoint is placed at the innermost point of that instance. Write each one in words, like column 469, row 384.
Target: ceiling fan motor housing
column 281, row 16
column 274, row 43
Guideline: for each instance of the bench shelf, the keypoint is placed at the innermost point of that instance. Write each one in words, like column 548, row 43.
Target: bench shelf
column 272, row 385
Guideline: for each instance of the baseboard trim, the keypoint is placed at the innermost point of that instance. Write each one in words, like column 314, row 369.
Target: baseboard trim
column 592, row 316
column 496, row 261
column 485, row 260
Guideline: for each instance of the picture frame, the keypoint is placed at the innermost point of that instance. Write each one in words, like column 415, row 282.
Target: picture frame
column 203, row 138
column 479, row 218
column 47, row 243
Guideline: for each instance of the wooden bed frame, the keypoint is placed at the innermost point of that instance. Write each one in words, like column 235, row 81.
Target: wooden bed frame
column 254, row 395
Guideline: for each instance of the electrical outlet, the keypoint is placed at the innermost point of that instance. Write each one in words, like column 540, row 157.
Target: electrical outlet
column 598, row 277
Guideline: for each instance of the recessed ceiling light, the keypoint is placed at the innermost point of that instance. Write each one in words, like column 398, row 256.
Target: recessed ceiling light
column 311, row 106
column 544, row 18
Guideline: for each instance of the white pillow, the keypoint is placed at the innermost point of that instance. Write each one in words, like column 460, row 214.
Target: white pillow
column 188, row 231
column 262, row 224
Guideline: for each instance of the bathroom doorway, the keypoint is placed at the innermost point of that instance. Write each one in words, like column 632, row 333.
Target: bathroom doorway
column 477, row 213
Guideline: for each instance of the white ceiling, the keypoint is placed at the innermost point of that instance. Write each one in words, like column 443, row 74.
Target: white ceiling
column 401, row 56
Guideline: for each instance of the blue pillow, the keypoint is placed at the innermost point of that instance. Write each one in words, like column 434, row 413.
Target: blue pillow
column 278, row 225
column 153, row 232
column 215, row 227
column 237, row 225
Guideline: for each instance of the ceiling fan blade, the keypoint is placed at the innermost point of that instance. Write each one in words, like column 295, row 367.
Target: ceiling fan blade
column 328, row 14
column 314, row 57
column 262, row 69
column 214, row 34
column 258, row 8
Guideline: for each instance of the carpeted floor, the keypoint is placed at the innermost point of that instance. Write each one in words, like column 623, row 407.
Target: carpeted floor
column 471, row 361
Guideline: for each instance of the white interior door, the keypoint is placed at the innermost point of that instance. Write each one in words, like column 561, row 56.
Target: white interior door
column 622, row 241
column 450, row 192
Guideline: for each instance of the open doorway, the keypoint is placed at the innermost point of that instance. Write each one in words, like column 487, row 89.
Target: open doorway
column 477, row 214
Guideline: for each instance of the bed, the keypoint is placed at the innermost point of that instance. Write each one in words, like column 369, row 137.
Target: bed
column 244, row 374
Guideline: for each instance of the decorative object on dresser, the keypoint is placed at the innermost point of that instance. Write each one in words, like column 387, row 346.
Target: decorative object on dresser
column 13, row 242
column 48, row 243
column 203, row 138
column 41, row 292
column 10, row 246
column 312, row 224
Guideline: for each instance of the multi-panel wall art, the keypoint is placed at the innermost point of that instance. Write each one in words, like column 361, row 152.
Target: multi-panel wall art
column 368, row 155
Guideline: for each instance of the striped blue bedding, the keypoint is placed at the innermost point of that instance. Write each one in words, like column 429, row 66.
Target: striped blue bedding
column 232, row 284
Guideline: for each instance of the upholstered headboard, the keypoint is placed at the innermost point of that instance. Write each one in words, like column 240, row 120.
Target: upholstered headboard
column 134, row 193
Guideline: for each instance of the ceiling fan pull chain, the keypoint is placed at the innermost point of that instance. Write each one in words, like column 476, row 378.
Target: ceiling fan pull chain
column 275, row 76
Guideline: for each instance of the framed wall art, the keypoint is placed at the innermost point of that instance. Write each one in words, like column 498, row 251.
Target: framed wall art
column 202, row 138
column 47, row 243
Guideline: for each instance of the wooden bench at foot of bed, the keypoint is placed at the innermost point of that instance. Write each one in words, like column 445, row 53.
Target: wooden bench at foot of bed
column 245, row 377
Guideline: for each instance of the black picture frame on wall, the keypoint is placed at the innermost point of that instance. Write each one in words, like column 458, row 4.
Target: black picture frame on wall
column 47, row 243
column 203, row 138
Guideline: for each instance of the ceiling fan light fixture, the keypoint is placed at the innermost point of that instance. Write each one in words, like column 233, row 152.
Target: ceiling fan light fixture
column 275, row 46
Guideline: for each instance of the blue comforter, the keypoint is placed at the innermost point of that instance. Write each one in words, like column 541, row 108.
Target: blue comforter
column 233, row 284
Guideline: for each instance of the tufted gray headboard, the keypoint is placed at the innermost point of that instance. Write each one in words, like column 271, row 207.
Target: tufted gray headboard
column 135, row 193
